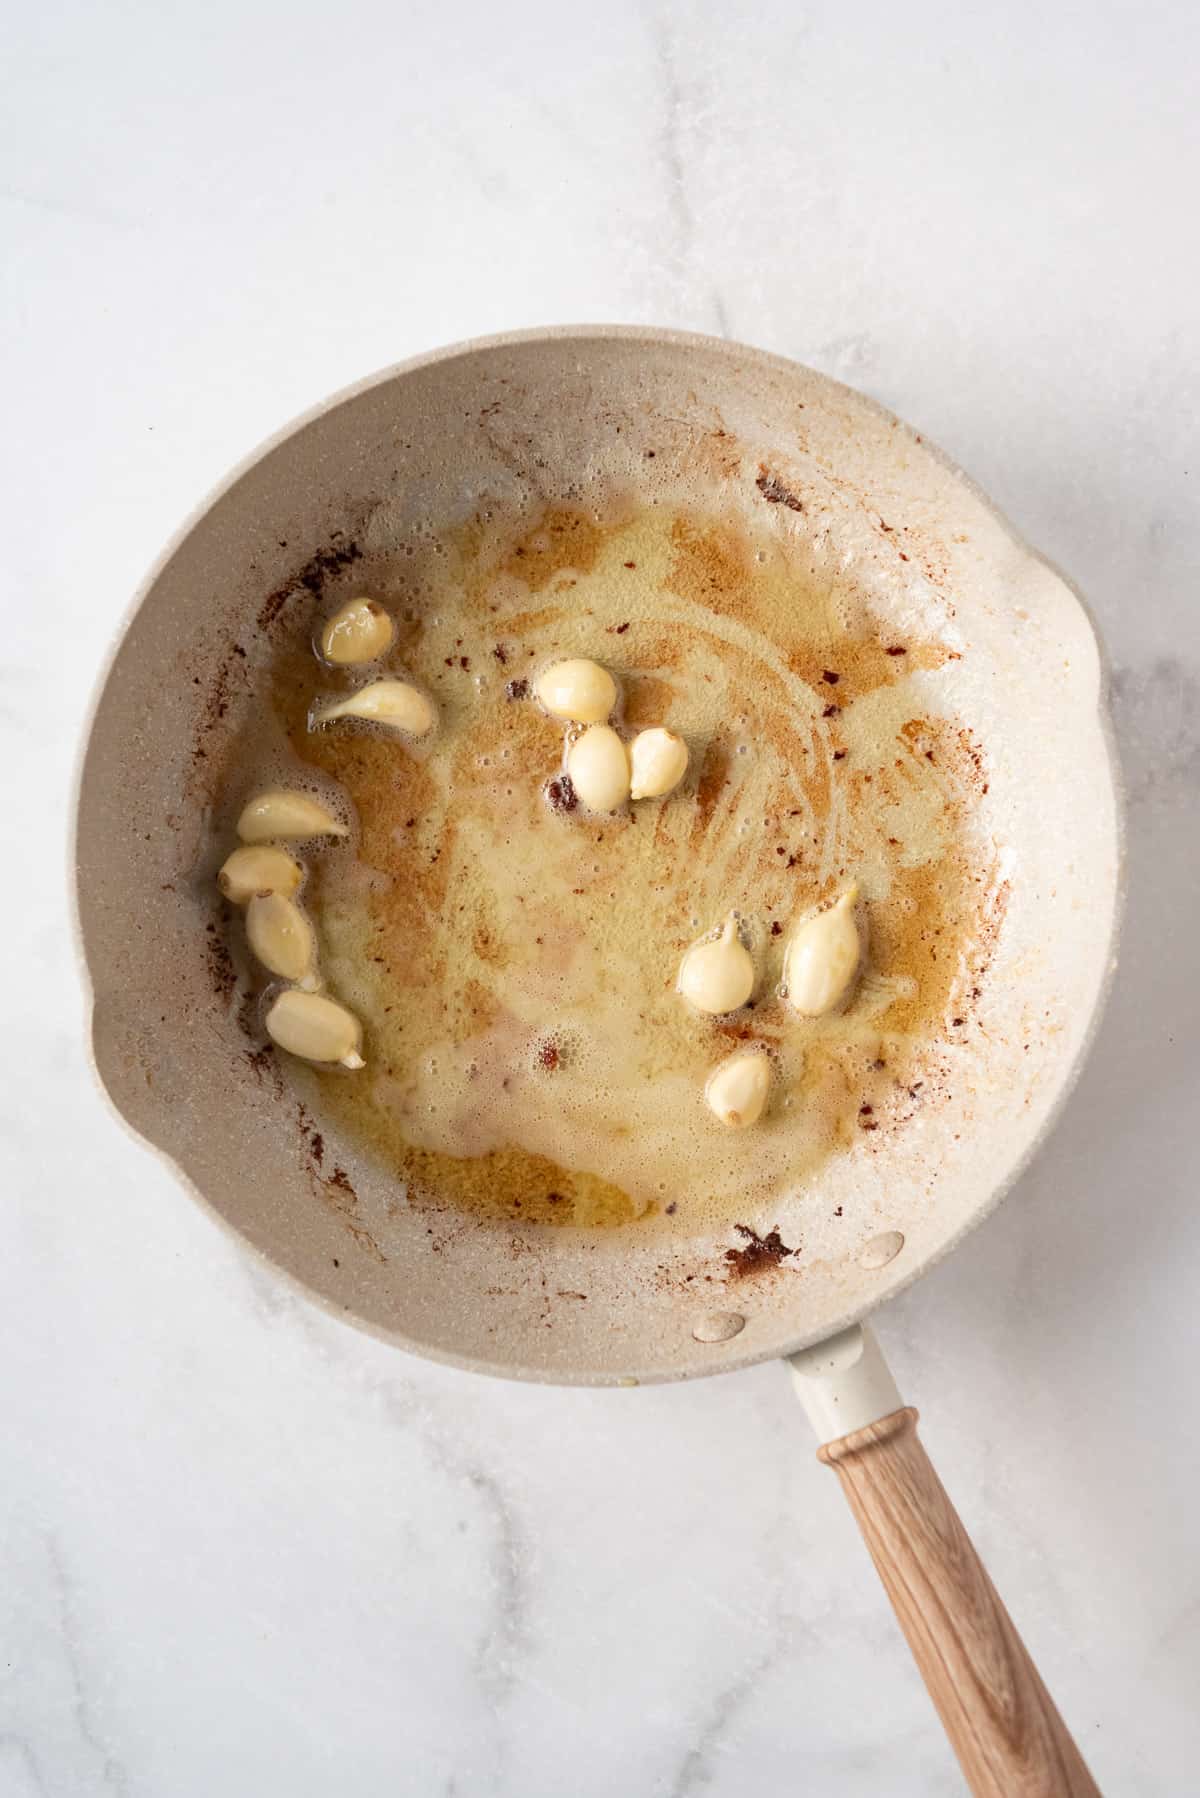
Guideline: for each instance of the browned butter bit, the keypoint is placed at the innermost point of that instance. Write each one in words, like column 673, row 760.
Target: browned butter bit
column 760, row 1252
column 560, row 793
column 775, row 492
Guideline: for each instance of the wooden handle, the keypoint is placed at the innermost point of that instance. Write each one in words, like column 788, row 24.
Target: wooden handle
column 1001, row 1720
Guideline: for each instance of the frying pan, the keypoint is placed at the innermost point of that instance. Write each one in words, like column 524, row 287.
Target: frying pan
column 554, row 416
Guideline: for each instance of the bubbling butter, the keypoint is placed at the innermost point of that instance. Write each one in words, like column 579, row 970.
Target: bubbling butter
column 531, row 1050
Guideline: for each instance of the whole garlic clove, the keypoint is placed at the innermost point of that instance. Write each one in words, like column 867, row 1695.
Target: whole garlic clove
column 315, row 1028
column 660, row 760
column 282, row 938
column 598, row 764
column 392, row 702
column 281, row 814
column 718, row 976
column 736, row 1090
column 578, row 690
column 259, row 868
column 822, row 957
column 360, row 632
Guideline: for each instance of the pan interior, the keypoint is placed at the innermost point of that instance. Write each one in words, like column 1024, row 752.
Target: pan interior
column 512, row 503
column 513, row 956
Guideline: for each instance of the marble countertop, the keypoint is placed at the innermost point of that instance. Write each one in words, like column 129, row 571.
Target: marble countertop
column 246, row 1550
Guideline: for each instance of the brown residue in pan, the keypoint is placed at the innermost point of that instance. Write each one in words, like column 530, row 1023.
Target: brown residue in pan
column 210, row 773
column 714, row 775
column 647, row 699
column 514, row 1184
column 336, row 1189
column 561, row 539
column 560, row 793
column 313, row 1139
column 216, row 704
column 261, row 1061
column 711, row 567
column 248, row 1020
column 311, row 579
column 759, row 1254
column 221, row 971
column 775, row 492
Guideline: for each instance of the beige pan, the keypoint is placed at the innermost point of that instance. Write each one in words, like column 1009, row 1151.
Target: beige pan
column 551, row 415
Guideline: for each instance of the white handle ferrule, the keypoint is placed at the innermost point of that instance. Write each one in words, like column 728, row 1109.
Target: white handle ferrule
column 843, row 1383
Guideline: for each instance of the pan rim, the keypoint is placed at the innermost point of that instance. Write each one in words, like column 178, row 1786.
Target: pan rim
column 731, row 1359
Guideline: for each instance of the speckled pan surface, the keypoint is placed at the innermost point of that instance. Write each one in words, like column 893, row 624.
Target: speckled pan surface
column 561, row 414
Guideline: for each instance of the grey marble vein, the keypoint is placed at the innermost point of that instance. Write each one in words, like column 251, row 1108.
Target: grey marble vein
column 111, row 1771
column 696, row 1772
column 16, row 1751
column 504, row 1633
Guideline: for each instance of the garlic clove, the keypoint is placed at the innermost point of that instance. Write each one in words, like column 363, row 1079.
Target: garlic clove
column 659, row 760
column 282, row 938
column 258, row 868
column 281, row 814
column 315, row 1028
column 395, row 703
column 736, row 1090
column 360, row 632
column 598, row 764
column 822, row 957
column 718, row 975
column 578, row 690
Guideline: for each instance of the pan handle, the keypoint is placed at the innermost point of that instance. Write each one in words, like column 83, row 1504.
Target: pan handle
column 1001, row 1721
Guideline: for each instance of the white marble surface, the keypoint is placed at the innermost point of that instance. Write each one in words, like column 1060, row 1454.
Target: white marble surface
column 246, row 1551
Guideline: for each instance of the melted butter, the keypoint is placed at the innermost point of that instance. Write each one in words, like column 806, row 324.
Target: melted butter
column 515, row 969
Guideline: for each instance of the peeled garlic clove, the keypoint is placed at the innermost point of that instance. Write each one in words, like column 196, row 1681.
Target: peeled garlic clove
column 822, row 957
column 737, row 1090
column 259, row 869
column 660, row 760
column 280, row 814
column 598, row 764
column 718, row 976
column 361, row 632
column 391, row 702
column 282, row 938
column 579, row 690
column 316, row 1028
